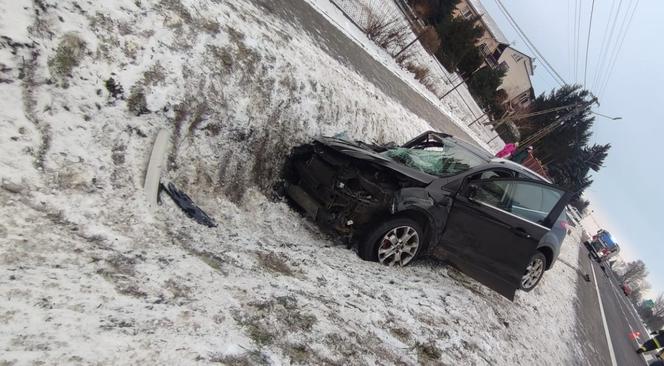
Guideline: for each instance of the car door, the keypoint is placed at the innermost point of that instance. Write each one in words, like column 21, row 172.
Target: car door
column 495, row 225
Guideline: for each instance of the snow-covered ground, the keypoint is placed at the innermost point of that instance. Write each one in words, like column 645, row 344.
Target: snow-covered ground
column 89, row 276
column 459, row 104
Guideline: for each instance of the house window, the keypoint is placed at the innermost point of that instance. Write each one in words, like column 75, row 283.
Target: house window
column 524, row 98
column 517, row 57
column 503, row 66
column 467, row 13
column 484, row 49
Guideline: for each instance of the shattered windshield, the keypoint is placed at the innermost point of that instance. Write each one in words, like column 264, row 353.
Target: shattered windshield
column 446, row 159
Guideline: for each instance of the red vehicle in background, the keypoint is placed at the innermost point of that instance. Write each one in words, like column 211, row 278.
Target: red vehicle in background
column 626, row 289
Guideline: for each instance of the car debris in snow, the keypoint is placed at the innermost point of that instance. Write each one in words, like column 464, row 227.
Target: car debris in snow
column 156, row 165
column 187, row 205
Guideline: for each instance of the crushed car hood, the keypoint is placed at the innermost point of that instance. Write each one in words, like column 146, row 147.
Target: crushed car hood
column 359, row 152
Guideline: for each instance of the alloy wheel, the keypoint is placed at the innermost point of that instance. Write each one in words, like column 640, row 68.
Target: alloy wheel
column 398, row 246
column 534, row 271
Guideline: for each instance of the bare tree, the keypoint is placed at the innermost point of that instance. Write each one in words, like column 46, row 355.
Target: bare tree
column 430, row 39
column 638, row 288
column 635, row 272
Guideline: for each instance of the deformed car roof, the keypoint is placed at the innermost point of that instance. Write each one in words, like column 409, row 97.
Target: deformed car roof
column 353, row 149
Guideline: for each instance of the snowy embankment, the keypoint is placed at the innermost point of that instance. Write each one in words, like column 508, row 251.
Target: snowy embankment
column 459, row 104
column 88, row 276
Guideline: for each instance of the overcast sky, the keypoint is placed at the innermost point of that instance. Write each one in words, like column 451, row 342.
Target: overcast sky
column 626, row 196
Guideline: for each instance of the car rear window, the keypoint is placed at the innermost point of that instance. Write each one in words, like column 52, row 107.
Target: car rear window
column 441, row 161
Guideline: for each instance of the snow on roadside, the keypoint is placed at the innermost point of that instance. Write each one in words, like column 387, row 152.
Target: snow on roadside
column 459, row 105
column 88, row 276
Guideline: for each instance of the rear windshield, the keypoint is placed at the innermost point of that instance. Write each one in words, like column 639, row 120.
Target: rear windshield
column 447, row 159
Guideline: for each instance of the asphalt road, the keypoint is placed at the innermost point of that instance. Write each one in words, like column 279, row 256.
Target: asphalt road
column 339, row 46
column 621, row 319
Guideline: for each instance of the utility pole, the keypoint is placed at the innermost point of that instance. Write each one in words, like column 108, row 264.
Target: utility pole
column 498, row 122
column 555, row 124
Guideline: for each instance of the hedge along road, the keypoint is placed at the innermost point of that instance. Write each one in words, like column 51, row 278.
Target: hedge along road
column 345, row 50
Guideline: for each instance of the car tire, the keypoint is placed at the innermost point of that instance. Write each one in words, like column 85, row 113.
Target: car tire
column 395, row 242
column 534, row 272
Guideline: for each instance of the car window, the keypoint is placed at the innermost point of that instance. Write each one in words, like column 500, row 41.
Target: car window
column 533, row 201
column 494, row 193
column 528, row 200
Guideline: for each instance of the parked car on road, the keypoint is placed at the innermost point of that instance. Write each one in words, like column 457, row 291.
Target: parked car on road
column 437, row 196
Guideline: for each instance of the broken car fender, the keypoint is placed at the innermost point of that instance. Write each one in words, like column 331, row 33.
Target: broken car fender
column 419, row 201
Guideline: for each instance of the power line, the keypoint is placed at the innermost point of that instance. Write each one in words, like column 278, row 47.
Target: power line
column 570, row 31
column 554, row 74
column 576, row 45
column 606, row 42
column 590, row 25
column 623, row 32
column 543, row 132
column 528, row 115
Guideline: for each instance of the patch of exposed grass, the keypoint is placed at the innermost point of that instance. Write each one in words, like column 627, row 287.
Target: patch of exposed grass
column 118, row 154
column 250, row 358
column 101, row 23
column 299, row 320
column 235, row 36
column 125, row 28
column 222, row 58
column 213, row 129
column 198, row 115
column 179, row 9
column 269, row 322
column 130, row 49
column 260, row 333
column 177, row 288
column 402, row 334
column 114, row 88
column 427, row 353
column 136, row 102
column 68, row 55
column 120, row 272
column 241, row 57
column 273, row 262
column 301, row 354
column 214, row 261
column 155, row 75
column 210, row 26
column 342, row 345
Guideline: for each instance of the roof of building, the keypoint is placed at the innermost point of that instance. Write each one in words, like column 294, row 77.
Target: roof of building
column 491, row 24
column 530, row 59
